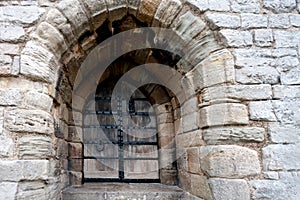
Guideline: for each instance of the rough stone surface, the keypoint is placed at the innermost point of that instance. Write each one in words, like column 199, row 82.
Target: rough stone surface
column 38, row 100
column 223, row 114
column 277, row 190
column 219, row 20
column 240, row 92
column 35, row 147
column 278, row 6
column 6, row 147
column 260, row 75
column 38, row 63
column 33, row 190
column 234, row 189
column 295, row 20
column 73, row 10
column 284, row 134
column 286, row 92
column 216, row 5
column 21, row 14
column 7, row 48
column 167, row 11
column 23, row 170
column 11, row 33
column 200, row 187
column 189, row 26
column 235, row 38
column 245, row 6
column 279, row 21
column 254, row 21
column 262, row 110
column 231, row 135
column 221, row 70
column 263, row 37
column 229, row 161
column 31, row 121
column 281, row 157
column 287, row 112
column 8, row 190
column 10, row 97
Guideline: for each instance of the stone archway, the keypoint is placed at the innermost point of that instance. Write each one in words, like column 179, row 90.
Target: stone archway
column 71, row 29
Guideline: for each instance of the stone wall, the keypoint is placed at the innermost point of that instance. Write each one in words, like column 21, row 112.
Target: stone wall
column 237, row 134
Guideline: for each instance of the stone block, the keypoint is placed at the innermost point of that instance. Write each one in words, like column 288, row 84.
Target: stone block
column 232, row 135
column 33, row 190
column 1, row 120
column 60, row 22
column 147, row 10
column 75, row 134
column 286, row 39
column 38, row 63
column 229, row 161
column 263, row 37
column 200, row 187
column 8, row 190
column 191, row 139
column 50, row 37
column 245, row 6
column 29, row 121
column 223, row 114
column 235, row 38
column 220, row 20
column 220, row 70
column 287, row 112
column 75, row 178
column 11, row 33
column 278, row 6
column 24, row 170
column 279, row 21
column 295, row 20
column 190, row 122
column 254, row 21
column 184, row 180
column 240, row 92
column 38, row 100
column 193, row 160
column 286, row 92
column 75, row 150
column 189, row 26
column 74, row 12
column 10, row 97
column 291, row 77
column 281, row 157
column 234, row 189
column 6, row 146
column 201, row 5
column 216, row 5
column 22, row 14
column 11, row 49
column 257, row 75
column 166, row 12
column 262, row 110
column 277, row 190
column 281, row 134
column 35, row 147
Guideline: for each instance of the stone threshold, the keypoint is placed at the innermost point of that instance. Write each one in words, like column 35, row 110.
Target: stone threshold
column 123, row 191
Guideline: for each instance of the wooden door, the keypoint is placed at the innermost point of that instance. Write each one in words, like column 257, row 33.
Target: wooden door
column 120, row 144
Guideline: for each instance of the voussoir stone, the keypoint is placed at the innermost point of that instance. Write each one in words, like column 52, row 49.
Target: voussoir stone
column 223, row 114
column 231, row 135
column 38, row 62
column 30, row 121
column 73, row 10
column 167, row 11
column 229, row 161
column 233, row 189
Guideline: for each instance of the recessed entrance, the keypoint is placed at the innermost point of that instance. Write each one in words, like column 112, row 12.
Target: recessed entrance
column 121, row 145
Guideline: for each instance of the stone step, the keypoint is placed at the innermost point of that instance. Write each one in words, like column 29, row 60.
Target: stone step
column 123, row 191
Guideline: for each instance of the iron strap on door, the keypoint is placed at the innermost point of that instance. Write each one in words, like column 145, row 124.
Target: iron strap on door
column 120, row 127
